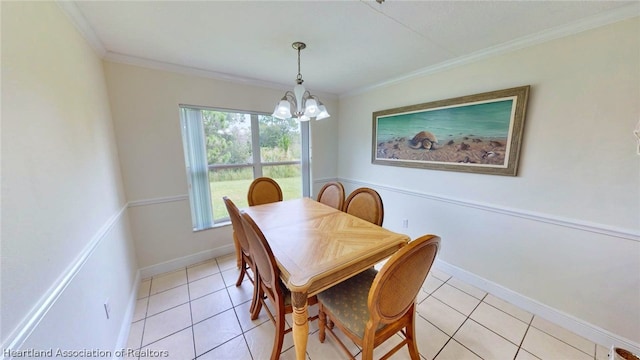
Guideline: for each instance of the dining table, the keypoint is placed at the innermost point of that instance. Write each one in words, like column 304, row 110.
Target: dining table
column 316, row 247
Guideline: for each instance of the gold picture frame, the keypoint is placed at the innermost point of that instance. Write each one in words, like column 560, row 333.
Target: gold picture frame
column 479, row 133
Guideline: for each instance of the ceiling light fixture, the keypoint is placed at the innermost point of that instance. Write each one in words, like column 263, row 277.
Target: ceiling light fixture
column 299, row 103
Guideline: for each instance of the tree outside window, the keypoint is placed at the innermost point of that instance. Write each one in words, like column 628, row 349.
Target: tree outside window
column 226, row 144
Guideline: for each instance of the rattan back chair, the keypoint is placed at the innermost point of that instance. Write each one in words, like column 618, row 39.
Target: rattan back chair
column 366, row 204
column 264, row 190
column 269, row 284
column 373, row 306
column 242, row 248
column 332, row 194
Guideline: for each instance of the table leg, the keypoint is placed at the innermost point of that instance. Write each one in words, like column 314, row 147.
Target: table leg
column 300, row 323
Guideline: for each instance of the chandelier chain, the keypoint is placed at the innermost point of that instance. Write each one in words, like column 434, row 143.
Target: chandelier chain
column 299, row 103
column 299, row 77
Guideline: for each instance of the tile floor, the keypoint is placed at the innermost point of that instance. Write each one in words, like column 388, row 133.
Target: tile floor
column 198, row 312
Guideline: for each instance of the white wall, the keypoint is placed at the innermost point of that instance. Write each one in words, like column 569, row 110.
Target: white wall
column 66, row 245
column 144, row 103
column 564, row 233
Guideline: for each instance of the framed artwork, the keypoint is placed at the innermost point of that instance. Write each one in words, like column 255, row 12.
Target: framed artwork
column 478, row 133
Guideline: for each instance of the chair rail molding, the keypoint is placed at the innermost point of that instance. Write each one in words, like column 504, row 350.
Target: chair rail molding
column 627, row 234
column 29, row 323
column 159, row 200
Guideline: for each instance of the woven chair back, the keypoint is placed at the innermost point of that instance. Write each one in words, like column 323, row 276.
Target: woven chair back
column 332, row 194
column 366, row 204
column 236, row 223
column 264, row 190
column 397, row 284
column 261, row 254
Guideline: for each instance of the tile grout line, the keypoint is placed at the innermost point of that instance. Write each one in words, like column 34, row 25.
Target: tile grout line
column 467, row 319
column 557, row 338
column 429, row 294
column 193, row 333
column 241, row 329
column 525, row 333
column 168, row 309
column 434, row 325
column 461, row 325
column 522, row 341
column 528, row 324
column 144, row 319
column 233, row 306
column 483, row 299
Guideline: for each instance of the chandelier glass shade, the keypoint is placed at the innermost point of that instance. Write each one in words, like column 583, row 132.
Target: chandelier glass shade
column 299, row 103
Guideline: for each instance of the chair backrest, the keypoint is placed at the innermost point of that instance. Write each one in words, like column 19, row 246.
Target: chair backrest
column 366, row 204
column 264, row 190
column 332, row 194
column 397, row 284
column 263, row 258
column 236, row 223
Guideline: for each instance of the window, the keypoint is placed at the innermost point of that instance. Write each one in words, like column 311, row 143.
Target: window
column 225, row 150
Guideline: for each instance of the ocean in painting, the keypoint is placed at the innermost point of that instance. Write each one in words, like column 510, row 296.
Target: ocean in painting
column 484, row 120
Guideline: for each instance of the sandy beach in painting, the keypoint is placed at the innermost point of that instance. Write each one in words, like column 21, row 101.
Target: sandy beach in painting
column 468, row 149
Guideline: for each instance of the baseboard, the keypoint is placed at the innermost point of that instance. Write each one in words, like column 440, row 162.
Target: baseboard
column 569, row 322
column 153, row 270
column 185, row 261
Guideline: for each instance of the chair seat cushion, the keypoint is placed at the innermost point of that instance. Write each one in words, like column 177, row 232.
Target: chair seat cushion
column 347, row 301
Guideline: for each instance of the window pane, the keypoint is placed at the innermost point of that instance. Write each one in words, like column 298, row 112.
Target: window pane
column 233, row 183
column 279, row 139
column 288, row 177
column 228, row 137
column 233, row 148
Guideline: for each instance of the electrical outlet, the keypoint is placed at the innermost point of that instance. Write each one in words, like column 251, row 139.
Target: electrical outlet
column 107, row 308
column 405, row 223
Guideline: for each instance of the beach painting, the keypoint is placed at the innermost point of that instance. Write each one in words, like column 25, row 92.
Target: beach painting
column 478, row 133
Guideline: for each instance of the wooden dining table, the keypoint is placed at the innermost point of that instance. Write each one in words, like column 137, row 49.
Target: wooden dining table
column 316, row 247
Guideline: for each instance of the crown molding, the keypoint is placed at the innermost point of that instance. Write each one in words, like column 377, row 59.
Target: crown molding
column 78, row 20
column 70, row 8
column 187, row 70
column 609, row 17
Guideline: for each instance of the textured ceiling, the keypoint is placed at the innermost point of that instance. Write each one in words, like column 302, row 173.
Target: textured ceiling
column 351, row 45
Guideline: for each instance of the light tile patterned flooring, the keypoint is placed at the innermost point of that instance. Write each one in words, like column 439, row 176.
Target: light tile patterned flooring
column 198, row 312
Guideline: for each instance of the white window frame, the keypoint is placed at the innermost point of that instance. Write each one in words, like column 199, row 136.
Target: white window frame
column 194, row 147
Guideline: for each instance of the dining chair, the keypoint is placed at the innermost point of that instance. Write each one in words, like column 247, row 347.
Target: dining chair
column 332, row 194
column 269, row 284
column 366, row 204
column 264, row 190
column 242, row 248
column 372, row 306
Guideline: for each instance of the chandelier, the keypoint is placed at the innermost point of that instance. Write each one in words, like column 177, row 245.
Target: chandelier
column 299, row 103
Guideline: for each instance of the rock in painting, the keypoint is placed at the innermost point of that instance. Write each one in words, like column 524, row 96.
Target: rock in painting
column 463, row 146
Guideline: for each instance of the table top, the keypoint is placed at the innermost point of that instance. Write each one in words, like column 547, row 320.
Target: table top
column 317, row 246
